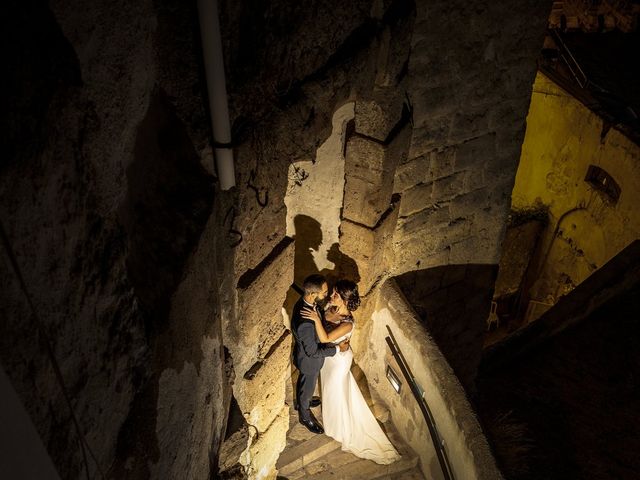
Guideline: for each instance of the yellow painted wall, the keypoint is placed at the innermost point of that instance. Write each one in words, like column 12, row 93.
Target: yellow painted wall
column 561, row 141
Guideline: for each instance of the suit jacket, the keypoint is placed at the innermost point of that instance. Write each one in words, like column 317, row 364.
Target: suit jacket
column 308, row 352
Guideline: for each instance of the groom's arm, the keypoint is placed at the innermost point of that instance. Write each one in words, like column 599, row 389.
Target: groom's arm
column 313, row 349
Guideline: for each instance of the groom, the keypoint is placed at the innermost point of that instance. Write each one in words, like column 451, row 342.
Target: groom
column 308, row 352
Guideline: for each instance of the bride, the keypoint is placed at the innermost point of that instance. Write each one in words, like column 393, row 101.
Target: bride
column 345, row 414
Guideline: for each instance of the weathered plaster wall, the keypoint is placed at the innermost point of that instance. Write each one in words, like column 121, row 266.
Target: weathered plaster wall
column 585, row 231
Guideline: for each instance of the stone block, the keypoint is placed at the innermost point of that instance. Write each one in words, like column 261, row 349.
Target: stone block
column 416, row 259
column 466, row 251
column 442, row 163
column 476, row 151
column 427, row 233
column 457, row 229
column 376, row 117
column 262, row 396
column 357, row 239
column 467, row 124
column 467, row 204
column 370, row 169
column 264, row 453
column 416, row 199
column 412, row 251
column 365, row 159
column 427, row 220
column 474, row 179
column 358, row 242
column 412, row 173
column 428, row 134
column 368, row 246
column 448, row 187
column 261, row 293
column 365, row 202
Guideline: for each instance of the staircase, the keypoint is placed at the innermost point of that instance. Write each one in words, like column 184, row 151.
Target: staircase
column 318, row 457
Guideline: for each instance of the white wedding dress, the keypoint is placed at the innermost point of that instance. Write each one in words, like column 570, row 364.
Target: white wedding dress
column 345, row 414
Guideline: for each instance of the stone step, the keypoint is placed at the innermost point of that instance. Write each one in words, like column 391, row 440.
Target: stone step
column 366, row 469
column 319, row 457
column 335, row 459
column 307, row 452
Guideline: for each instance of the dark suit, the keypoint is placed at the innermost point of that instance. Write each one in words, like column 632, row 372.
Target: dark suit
column 308, row 356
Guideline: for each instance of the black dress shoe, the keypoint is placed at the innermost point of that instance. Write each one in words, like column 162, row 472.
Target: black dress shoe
column 315, row 402
column 311, row 425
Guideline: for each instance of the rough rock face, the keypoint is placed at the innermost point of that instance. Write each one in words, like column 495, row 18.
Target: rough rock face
column 105, row 204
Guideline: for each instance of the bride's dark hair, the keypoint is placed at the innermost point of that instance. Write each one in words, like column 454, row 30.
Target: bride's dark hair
column 348, row 291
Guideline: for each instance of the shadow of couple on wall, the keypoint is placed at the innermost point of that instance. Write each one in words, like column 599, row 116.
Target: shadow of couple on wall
column 308, row 239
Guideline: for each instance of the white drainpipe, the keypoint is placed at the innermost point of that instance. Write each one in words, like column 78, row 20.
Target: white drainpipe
column 214, row 69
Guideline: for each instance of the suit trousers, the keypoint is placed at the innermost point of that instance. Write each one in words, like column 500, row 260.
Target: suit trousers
column 305, row 386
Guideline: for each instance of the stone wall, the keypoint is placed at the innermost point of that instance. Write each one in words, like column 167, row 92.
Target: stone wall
column 283, row 117
column 112, row 218
column 371, row 54
column 470, row 96
column 451, row 302
column 162, row 295
column 467, row 449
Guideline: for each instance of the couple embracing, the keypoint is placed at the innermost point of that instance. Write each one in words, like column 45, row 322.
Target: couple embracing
column 322, row 349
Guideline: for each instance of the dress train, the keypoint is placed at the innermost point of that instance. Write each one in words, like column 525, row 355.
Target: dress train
column 346, row 415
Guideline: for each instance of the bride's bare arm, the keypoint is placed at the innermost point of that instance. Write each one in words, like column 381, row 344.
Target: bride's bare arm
column 336, row 333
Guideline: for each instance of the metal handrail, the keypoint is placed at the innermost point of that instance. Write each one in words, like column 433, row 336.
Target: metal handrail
column 438, row 442
column 570, row 61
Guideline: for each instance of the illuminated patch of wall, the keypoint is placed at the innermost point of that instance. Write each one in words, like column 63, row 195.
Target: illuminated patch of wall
column 586, row 229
